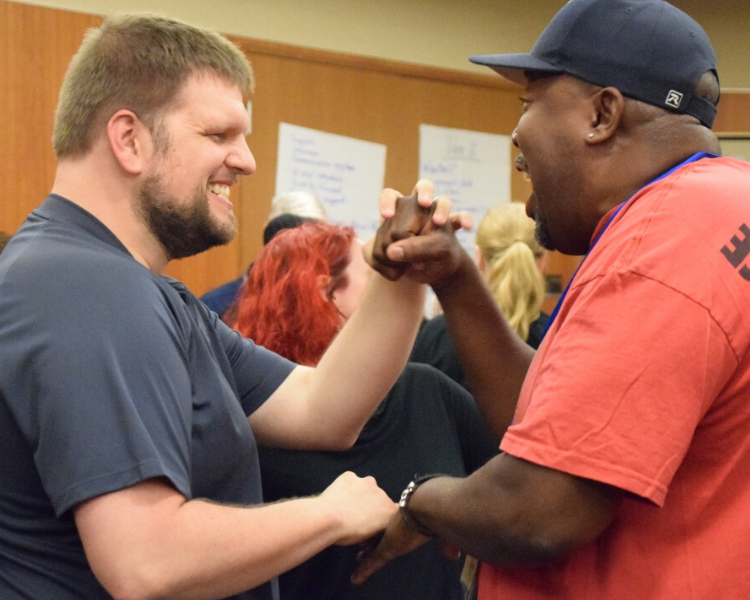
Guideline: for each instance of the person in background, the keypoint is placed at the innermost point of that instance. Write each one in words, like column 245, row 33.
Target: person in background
column 303, row 288
column 280, row 223
column 511, row 261
column 230, row 292
column 301, row 204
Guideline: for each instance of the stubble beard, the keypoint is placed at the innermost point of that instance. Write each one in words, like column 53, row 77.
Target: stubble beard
column 542, row 233
column 183, row 228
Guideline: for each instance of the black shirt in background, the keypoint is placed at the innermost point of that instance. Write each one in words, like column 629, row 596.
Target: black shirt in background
column 426, row 424
column 434, row 346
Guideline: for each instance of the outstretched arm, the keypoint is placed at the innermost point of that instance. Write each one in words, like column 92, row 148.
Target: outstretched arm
column 509, row 512
column 148, row 541
column 494, row 358
column 326, row 407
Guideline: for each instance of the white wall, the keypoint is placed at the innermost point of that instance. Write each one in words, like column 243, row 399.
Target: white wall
column 440, row 33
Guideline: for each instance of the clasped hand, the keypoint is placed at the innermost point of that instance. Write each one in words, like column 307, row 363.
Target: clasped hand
column 417, row 236
column 397, row 539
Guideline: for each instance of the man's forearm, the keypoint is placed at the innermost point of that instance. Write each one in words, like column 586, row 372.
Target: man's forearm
column 149, row 542
column 366, row 358
column 513, row 512
column 477, row 517
column 494, row 358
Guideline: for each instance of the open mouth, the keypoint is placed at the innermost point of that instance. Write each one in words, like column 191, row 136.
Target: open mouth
column 522, row 167
column 220, row 189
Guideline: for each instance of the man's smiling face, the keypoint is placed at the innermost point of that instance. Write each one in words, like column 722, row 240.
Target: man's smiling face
column 184, row 197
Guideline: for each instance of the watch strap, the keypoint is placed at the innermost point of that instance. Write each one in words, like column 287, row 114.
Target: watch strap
column 403, row 504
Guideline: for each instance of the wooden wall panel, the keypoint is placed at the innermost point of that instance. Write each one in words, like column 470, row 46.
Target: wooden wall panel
column 734, row 113
column 36, row 45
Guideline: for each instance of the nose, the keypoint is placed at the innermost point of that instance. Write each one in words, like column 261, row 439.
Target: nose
column 240, row 159
column 514, row 137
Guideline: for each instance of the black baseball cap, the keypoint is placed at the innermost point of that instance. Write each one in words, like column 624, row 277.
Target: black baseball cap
column 647, row 49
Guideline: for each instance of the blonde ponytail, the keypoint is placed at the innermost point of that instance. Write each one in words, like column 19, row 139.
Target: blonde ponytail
column 505, row 238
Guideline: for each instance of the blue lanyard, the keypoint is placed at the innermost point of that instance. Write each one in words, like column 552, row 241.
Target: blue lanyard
column 693, row 158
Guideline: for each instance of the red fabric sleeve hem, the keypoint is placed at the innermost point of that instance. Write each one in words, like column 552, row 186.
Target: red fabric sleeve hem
column 584, row 466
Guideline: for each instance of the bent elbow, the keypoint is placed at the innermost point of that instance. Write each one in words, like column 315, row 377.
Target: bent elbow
column 341, row 442
column 531, row 551
column 145, row 585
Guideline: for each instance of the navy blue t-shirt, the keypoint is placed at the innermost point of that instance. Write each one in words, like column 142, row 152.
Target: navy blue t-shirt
column 111, row 375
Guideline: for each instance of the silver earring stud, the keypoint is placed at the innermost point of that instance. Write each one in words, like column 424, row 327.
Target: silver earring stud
column 591, row 136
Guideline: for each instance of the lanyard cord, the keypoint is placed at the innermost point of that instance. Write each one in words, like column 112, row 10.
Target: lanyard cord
column 693, row 158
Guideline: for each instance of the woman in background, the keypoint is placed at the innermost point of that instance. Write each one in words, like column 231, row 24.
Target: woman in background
column 511, row 261
column 304, row 286
column 287, row 210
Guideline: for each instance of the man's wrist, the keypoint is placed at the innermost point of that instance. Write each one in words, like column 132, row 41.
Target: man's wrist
column 403, row 504
column 453, row 283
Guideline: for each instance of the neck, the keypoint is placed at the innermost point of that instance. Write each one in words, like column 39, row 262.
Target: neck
column 96, row 186
column 635, row 161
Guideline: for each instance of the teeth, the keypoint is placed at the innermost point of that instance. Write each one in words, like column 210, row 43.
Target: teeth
column 219, row 190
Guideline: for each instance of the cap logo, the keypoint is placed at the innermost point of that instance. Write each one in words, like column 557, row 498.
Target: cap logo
column 674, row 99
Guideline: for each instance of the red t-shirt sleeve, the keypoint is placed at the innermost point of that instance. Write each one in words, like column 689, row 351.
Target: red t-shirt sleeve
column 616, row 393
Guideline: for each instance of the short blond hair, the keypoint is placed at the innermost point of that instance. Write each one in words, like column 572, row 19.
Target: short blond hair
column 301, row 203
column 137, row 62
column 505, row 237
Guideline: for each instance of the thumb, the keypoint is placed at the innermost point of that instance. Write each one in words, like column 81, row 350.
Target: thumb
column 395, row 253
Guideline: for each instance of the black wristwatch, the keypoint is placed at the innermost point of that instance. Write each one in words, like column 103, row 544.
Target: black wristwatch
column 403, row 504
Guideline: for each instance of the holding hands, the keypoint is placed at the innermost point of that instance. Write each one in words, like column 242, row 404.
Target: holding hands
column 364, row 509
column 417, row 237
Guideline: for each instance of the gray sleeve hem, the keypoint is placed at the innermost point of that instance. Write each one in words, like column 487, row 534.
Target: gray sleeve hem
column 113, row 482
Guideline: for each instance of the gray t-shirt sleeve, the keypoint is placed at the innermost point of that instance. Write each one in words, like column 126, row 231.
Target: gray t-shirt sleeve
column 102, row 384
column 258, row 372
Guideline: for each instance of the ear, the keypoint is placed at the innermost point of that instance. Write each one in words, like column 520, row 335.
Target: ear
column 129, row 139
column 608, row 105
column 322, row 284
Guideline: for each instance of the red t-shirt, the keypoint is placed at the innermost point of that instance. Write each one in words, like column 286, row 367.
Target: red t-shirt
column 643, row 382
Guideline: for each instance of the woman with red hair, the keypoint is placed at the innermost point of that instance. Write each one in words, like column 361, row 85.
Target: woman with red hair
column 301, row 290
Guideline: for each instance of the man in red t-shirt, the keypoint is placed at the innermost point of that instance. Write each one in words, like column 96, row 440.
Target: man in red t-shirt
column 624, row 472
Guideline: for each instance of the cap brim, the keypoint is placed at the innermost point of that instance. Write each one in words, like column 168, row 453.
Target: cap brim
column 513, row 66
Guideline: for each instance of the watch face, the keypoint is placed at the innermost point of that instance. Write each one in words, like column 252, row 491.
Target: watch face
column 406, row 493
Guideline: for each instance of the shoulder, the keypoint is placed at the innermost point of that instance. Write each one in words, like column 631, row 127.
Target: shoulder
column 699, row 196
column 219, row 299
column 433, row 327
column 59, row 256
column 689, row 231
column 57, row 278
column 537, row 330
column 434, row 346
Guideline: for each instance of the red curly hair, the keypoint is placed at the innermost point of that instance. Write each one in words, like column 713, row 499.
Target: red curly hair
column 281, row 306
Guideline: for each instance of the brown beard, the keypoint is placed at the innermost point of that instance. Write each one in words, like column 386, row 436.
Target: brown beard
column 183, row 228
